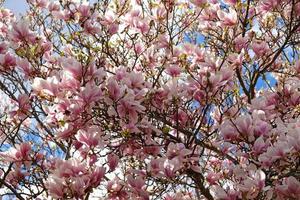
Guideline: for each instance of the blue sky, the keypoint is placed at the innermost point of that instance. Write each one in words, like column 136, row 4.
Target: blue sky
column 16, row 6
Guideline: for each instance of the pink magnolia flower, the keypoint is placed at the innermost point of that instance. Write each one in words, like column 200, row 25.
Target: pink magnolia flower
column 91, row 27
column 240, row 42
column 94, row 72
column 295, row 98
column 141, row 25
column 260, row 48
column 22, row 33
column 179, row 196
column 259, row 146
column 39, row 3
column 7, row 61
column 19, row 155
column 116, row 190
column 84, row 10
column 181, row 117
column 231, row 2
column 244, row 125
column 113, row 28
column 23, row 106
column 210, row 64
column 121, row 73
column 261, row 128
column 78, row 186
column 96, row 176
column 89, row 138
column 90, row 93
column 215, row 80
column 69, row 168
column 55, row 187
column 23, row 151
column 228, row 132
column 138, row 48
column 15, row 176
column 162, row 41
column 221, row 194
column 209, row 14
column 73, row 67
column 61, row 15
column 46, row 47
column 173, row 70
column 53, row 6
column 151, row 148
column 279, row 150
column 290, row 188
column 109, row 20
column 228, row 19
column 199, row 96
column 267, row 5
column 66, row 131
column 113, row 161
column 275, row 152
column 199, row 3
column 265, row 160
column 134, row 20
column 3, row 30
column 137, row 185
column 134, row 80
column 265, row 103
column 297, row 9
column 199, row 55
column 46, row 87
column 137, row 182
column 23, row 101
column 3, row 48
column 213, row 177
column 171, row 166
column 293, row 138
column 160, row 13
column 114, row 90
column 72, row 178
column 227, row 75
column 236, row 60
column 155, row 166
column 5, row 14
column 24, row 65
column 130, row 107
column 150, row 57
column 177, row 150
column 68, row 82
column 252, row 185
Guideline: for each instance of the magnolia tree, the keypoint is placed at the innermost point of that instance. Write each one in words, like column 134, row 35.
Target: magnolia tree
column 150, row 99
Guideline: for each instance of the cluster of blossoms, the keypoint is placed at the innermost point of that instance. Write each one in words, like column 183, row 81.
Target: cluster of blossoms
column 137, row 99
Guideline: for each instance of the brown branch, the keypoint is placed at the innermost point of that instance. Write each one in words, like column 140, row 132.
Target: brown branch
column 199, row 181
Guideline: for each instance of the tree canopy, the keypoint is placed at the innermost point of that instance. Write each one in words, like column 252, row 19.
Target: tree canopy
column 150, row 99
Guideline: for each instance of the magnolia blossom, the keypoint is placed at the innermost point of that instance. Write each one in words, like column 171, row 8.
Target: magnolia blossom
column 290, row 188
column 240, row 42
column 228, row 19
column 113, row 160
column 7, row 62
column 109, row 20
column 46, row 87
column 21, row 32
column 199, row 2
column 260, row 48
column 71, row 179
